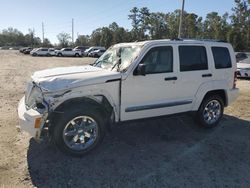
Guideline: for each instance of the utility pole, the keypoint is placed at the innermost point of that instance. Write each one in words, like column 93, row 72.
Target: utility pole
column 181, row 18
column 43, row 31
column 72, row 31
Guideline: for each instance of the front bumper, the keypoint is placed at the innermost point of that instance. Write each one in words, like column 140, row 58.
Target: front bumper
column 29, row 119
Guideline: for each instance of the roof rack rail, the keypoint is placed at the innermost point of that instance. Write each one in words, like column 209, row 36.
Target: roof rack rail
column 208, row 40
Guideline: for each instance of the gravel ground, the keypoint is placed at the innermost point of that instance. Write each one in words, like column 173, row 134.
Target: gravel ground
column 165, row 152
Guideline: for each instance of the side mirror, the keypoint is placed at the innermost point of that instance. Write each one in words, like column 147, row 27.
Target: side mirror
column 140, row 70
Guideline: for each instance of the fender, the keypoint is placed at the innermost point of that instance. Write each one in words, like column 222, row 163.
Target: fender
column 92, row 92
column 205, row 88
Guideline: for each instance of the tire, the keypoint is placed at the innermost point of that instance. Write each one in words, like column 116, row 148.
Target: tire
column 210, row 111
column 48, row 54
column 34, row 54
column 77, row 55
column 66, row 132
column 59, row 55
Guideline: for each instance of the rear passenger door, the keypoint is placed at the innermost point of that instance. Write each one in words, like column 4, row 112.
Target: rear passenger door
column 194, row 69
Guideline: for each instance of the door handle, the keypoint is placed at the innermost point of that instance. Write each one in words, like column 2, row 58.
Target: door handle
column 207, row 75
column 170, row 78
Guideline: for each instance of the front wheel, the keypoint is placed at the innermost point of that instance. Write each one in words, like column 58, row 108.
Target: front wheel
column 211, row 111
column 79, row 131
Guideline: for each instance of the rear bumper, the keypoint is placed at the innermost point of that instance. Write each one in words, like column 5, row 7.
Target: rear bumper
column 27, row 120
column 232, row 95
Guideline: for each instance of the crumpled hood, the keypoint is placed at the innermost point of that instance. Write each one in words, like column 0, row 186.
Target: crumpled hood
column 63, row 78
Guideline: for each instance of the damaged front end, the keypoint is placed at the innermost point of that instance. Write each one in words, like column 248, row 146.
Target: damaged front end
column 33, row 112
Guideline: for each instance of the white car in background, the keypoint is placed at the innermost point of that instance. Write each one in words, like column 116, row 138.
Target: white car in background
column 52, row 51
column 243, row 67
column 91, row 49
column 68, row 52
column 40, row 52
column 97, row 53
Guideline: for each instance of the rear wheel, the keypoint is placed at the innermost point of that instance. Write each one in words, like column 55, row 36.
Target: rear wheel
column 59, row 55
column 79, row 131
column 77, row 55
column 34, row 54
column 211, row 111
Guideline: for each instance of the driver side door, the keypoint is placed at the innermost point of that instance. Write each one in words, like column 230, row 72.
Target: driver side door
column 155, row 93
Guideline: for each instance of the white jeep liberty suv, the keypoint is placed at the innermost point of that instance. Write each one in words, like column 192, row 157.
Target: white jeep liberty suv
column 74, row 105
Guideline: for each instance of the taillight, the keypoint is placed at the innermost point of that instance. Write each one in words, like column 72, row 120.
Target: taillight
column 235, row 79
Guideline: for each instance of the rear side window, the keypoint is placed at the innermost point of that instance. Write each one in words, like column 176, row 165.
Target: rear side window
column 222, row 57
column 193, row 58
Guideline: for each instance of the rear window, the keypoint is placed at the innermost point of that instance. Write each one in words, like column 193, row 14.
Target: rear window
column 193, row 58
column 222, row 57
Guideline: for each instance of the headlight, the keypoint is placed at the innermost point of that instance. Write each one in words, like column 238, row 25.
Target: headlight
column 33, row 97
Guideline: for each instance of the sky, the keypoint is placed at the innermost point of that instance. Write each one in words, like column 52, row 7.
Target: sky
column 88, row 15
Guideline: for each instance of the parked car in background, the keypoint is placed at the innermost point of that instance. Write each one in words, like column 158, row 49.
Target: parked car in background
column 81, row 48
column 27, row 50
column 5, row 48
column 91, row 49
column 23, row 49
column 243, row 67
column 52, row 51
column 96, row 53
column 40, row 52
column 240, row 56
column 68, row 52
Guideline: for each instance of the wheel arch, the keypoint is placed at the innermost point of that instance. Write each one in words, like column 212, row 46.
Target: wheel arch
column 100, row 102
column 208, row 89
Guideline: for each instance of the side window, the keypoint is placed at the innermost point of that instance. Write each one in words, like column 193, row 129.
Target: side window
column 222, row 57
column 193, row 58
column 159, row 60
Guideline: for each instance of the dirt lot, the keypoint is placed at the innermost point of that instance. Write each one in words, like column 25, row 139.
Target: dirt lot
column 167, row 152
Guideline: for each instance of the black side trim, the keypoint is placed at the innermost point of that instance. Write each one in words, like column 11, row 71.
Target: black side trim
column 154, row 106
column 113, row 80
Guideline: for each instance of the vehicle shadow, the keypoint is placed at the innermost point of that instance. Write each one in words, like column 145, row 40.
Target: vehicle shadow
column 149, row 153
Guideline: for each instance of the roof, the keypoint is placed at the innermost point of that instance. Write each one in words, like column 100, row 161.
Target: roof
column 176, row 41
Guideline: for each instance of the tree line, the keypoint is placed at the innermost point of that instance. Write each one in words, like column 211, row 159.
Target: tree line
column 147, row 25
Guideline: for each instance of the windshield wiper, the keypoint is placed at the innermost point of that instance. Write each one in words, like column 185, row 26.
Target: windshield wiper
column 118, row 63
